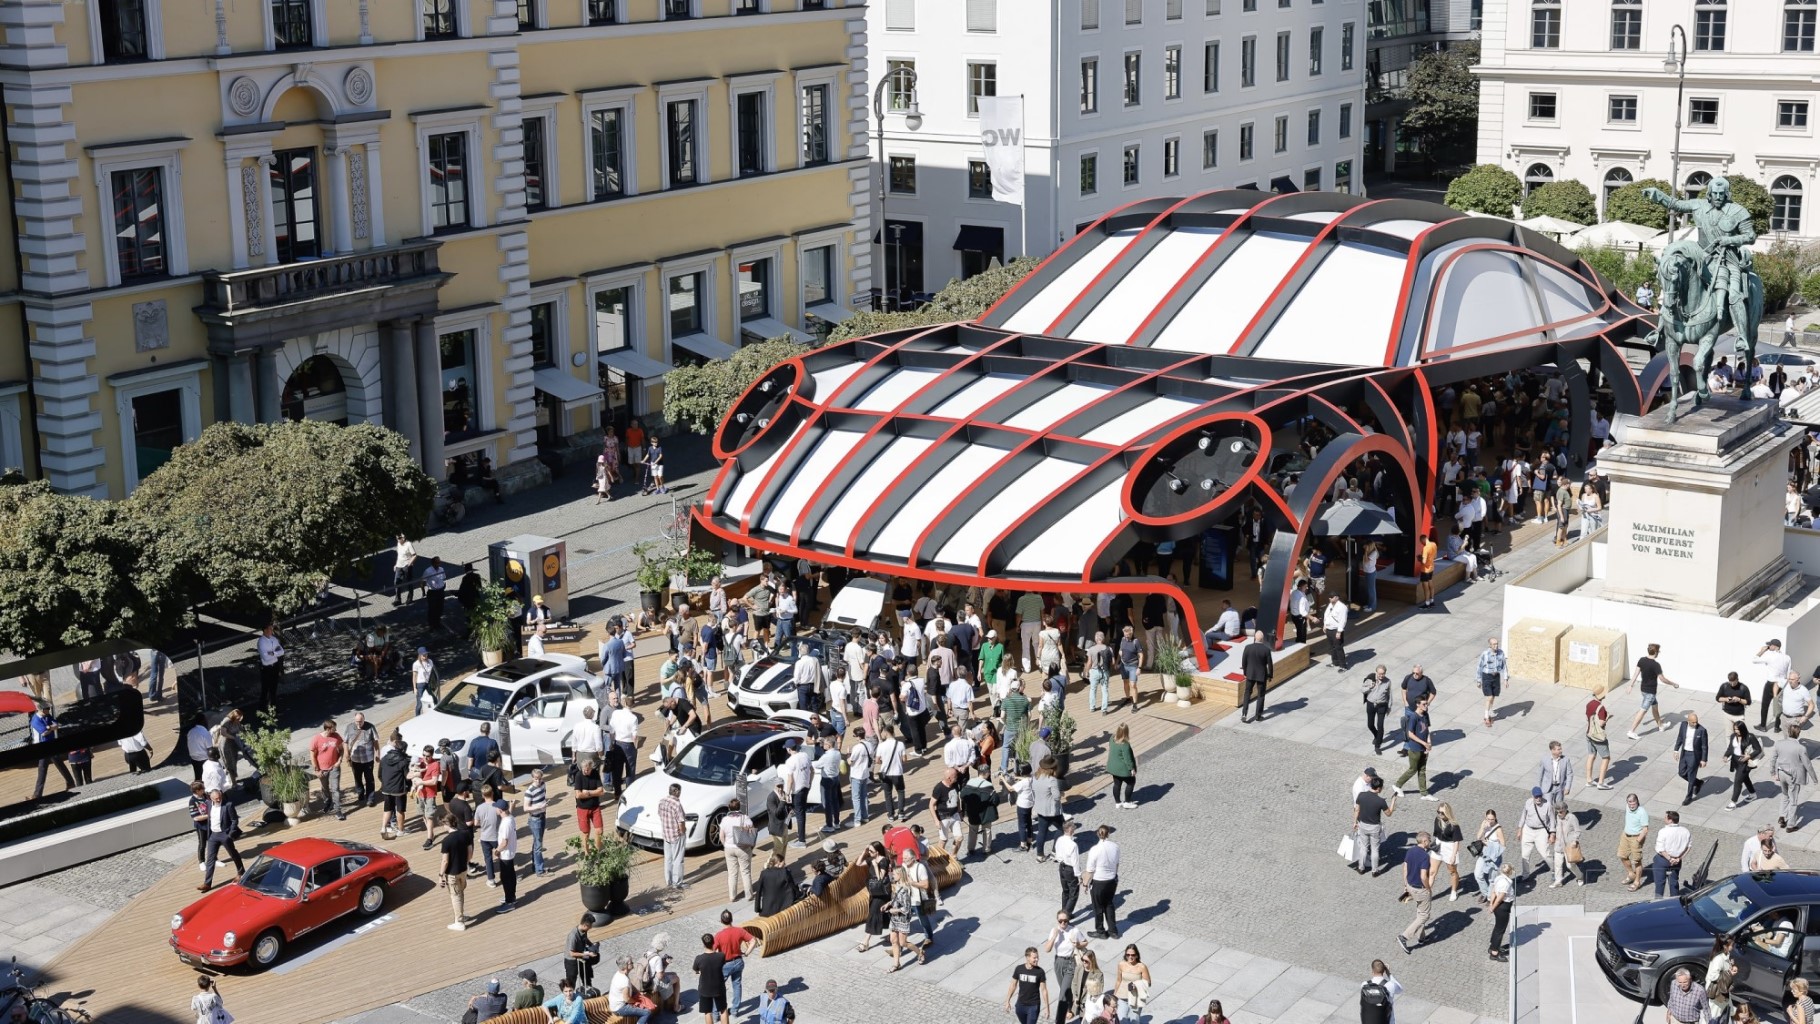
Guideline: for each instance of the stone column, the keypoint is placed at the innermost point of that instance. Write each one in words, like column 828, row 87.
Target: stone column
column 400, row 384
column 240, row 387
column 340, row 199
column 429, row 395
column 266, row 384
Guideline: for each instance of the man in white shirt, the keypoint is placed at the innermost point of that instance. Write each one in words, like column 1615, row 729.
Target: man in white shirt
column 1381, row 986
column 1333, row 621
column 854, row 654
column 1754, row 846
column 807, row 677
column 859, row 770
column 587, row 743
column 1797, row 702
column 1065, row 940
column 622, row 726
column 1226, row 627
column 1671, row 846
column 1100, row 877
column 960, row 698
column 214, row 774
column 619, row 994
column 271, row 665
column 958, row 752
column 799, row 773
column 1301, row 603
column 1775, row 667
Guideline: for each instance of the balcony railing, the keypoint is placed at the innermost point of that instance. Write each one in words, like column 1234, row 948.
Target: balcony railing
column 243, row 291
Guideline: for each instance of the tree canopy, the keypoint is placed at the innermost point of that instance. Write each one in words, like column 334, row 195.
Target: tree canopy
column 1568, row 200
column 1443, row 97
column 1630, row 204
column 1754, row 198
column 73, row 571
column 1487, row 188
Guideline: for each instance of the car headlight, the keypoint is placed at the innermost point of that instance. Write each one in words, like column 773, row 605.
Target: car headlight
column 1644, row 959
column 228, row 940
column 176, row 921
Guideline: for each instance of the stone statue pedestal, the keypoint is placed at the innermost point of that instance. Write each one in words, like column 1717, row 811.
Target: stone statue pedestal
column 1696, row 508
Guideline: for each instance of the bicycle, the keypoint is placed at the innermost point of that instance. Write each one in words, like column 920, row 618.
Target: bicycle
column 676, row 528
column 37, row 1010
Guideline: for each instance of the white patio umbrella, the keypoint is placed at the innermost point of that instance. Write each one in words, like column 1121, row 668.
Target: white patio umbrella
column 1554, row 227
column 1615, row 234
column 1665, row 239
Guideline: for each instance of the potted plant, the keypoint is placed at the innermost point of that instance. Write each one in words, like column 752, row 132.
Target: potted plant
column 605, row 874
column 269, row 745
column 291, row 789
column 698, row 566
column 1173, row 662
column 1020, row 743
column 1061, row 727
column 653, row 574
column 490, row 619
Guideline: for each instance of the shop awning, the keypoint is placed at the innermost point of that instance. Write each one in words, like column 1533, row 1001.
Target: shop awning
column 704, row 346
column 978, row 238
column 912, row 233
column 1283, row 185
column 559, row 384
column 771, row 327
column 829, row 311
column 633, row 364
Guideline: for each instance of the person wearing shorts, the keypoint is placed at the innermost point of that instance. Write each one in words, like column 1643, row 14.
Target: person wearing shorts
column 1425, row 568
column 1598, row 746
column 1636, row 831
column 1493, row 667
column 1649, row 676
column 586, row 786
column 711, row 982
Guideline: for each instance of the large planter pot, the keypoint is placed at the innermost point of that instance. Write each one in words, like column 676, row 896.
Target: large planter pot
column 594, row 898
column 265, row 792
column 617, row 891
column 293, row 813
column 1184, row 695
column 492, row 658
column 651, row 600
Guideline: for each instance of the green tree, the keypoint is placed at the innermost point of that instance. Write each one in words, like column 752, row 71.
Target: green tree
column 261, row 514
column 1779, row 279
column 1754, row 198
column 959, row 300
column 1568, row 200
column 1810, row 289
column 1630, row 204
column 1609, row 262
column 1487, row 188
column 698, row 397
column 1443, row 98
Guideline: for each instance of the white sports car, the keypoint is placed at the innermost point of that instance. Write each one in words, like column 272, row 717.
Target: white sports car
column 533, row 705
column 767, row 686
column 710, row 770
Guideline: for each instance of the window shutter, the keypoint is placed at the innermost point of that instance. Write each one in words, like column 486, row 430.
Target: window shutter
column 982, row 15
column 1134, row 12
column 900, row 14
column 1090, row 13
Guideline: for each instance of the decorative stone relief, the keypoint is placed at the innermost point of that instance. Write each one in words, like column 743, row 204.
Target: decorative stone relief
column 366, row 31
column 358, row 86
column 221, row 38
column 151, row 326
column 249, row 201
column 357, row 190
column 243, row 97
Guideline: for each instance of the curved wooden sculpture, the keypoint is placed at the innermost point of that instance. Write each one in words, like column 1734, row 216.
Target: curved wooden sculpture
column 840, row 908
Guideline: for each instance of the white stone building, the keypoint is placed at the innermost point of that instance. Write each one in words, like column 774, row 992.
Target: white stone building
column 1123, row 99
column 1580, row 90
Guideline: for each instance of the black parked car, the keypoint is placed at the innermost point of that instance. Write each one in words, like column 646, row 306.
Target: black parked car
column 1771, row 914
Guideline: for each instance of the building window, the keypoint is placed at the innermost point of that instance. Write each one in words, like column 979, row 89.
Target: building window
column 543, row 334
column 1248, row 62
column 754, row 290
column 537, row 196
column 979, row 180
column 1172, row 72
column 903, row 175
column 449, row 208
column 1282, row 135
column 1541, row 106
column 1090, row 14
column 982, row 80
column 460, row 384
column 603, row 12
column 982, row 15
column 1703, row 113
column 681, row 130
column 815, row 124
column 157, row 425
column 1342, row 177
column 686, row 304
column 818, row 275
column 1133, row 79
column 1282, row 56
column 1545, row 25
column 1621, row 110
column 1249, row 7
column 1709, row 24
column 607, row 140
column 1090, row 86
column 439, row 19
column 748, row 7
column 678, row 10
column 1131, row 165
column 1615, row 179
column 1798, row 25
column 1314, row 127
column 1172, row 10
column 1345, row 120
column 1785, row 193
column 1696, row 183
column 1537, row 176
column 292, row 24
column 613, row 319
column 1213, row 8
column 123, row 31
column 1791, row 115
column 527, row 15
column 1210, row 149
column 1314, row 50
column 296, row 216
column 750, row 124
column 1134, row 12
column 1172, row 157
column 139, row 235
column 1346, row 44
column 1246, row 133
column 1090, row 173
column 1627, row 24
column 1311, row 180
column 1210, row 67
column 900, row 15
column 899, row 93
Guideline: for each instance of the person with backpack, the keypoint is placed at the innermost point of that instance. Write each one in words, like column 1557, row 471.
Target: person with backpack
column 1378, row 996
column 916, row 711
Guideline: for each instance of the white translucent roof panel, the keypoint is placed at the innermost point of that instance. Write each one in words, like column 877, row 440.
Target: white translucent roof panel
column 1403, row 228
column 976, row 396
column 918, row 510
column 1212, row 320
column 1036, row 315
column 889, row 393
column 746, row 487
column 793, row 494
column 837, row 526
column 1421, row 285
column 1482, row 295
column 1129, row 426
column 828, row 381
column 1564, row 297
column 1131, row 300
column 1319, row 216
column 1065, row 547
column 969, row 542
column 1361, row 280
column 1068, row 398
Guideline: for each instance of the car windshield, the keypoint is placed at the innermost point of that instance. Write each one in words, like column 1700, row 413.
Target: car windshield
column 1723, row 908
column 708, row 764
column 273, row 877
column 470, row 699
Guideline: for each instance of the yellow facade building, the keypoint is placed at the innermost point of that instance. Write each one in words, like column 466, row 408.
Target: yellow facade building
column 487, row 224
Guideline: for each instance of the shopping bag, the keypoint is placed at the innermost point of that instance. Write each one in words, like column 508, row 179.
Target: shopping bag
column 1345, row 850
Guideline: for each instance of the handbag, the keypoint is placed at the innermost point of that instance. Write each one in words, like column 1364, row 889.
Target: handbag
column 1476, row 848
column 1345, row 850
column 1574, row 854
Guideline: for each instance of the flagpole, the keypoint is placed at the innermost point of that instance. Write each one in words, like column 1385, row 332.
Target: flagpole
column 1023, row 208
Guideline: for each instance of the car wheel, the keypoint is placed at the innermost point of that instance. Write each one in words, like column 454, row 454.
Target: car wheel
column 372, row 898
column 713, row 835
column 267, row 948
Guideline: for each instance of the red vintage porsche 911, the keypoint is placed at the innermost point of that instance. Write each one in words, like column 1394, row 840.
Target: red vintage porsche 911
column 289, row 891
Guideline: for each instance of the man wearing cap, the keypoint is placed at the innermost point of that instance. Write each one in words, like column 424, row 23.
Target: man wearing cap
column 773, row 1008
column 1536, row 827
column 488, row 1004
column 530, row 993
column 1776, row 666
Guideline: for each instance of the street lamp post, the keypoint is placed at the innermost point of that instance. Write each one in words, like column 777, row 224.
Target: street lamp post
column 1676, row 62
column 913, row 120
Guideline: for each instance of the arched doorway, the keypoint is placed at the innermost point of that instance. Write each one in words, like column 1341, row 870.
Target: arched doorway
column 317, row 390
column 1696, row 183
column 1615, row 179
